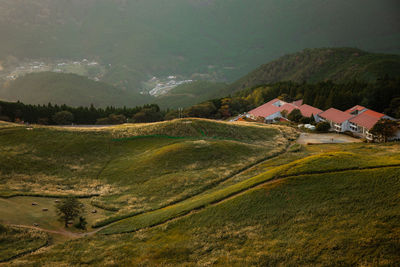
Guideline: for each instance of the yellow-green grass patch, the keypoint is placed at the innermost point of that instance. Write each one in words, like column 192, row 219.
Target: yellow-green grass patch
column 313, row 164
column 330, row 219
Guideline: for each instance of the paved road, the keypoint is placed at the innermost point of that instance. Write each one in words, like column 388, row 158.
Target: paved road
column 328, row 138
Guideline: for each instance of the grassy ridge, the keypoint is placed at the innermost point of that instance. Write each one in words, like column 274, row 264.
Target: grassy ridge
column 132, row 168
column 334, row 204
column 322, row 219
column 15, row 242
column 329, row 162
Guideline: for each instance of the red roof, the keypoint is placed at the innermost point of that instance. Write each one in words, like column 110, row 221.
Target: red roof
column 298, row 102
column 307, row 110
column 335, row 115
column 374, row 114
column 266, row 110
column 289, row 107
column 365, row 120
column 355, row 108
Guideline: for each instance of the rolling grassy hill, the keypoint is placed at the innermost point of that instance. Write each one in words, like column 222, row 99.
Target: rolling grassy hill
column 69, row 89
column 197, row 192
column 322, row 64
column 131, row 169
column 333, row 204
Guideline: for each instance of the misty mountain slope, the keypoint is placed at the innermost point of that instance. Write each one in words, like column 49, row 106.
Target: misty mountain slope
column 192, row 93
column 223, row 39
column 69, row 89
column 315, row 65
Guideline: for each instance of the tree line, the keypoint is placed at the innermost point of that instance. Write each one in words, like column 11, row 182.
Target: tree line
column 382, row 96
column 62, row 114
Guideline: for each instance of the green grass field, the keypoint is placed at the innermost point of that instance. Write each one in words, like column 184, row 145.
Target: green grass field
column 322, row 219
column 16, row 241
column 200, row 192
column 131, row 169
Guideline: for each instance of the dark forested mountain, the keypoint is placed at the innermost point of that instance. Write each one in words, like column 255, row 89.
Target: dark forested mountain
column 69, row 89
column 316, row 65
column 220, row 39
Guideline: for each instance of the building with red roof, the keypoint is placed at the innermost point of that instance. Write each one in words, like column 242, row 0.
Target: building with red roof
column 338, row 119
column 356, row 110
column 308, row 111
column 288, row 107
column 362, row 123
column 376, row 114
column 273, row 109
column 269, row 110
column 298, row 103
column 358, row 119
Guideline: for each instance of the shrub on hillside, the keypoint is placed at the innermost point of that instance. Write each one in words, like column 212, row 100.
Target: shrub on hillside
column 385, row 129
column 172, row 114
column 148, row 114
column 63, row 118
column 295, row 115
column 322, row 126
column 43, row 121
column 68, row 210
column 307, row 120
column 112, row 119
column 204, row 110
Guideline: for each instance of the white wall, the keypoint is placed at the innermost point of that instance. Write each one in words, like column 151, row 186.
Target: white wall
column 273, row 116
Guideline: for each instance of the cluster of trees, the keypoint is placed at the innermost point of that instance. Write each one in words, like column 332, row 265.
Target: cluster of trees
column 385, row 129
column 63, row 115
column 68, row 210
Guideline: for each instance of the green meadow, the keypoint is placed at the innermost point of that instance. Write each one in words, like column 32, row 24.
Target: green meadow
column 15, row 241
column 201, row 192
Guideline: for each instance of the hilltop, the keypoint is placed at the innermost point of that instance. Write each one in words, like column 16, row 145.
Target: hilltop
column 69, row 89
column 339, row 65
column 157, row 164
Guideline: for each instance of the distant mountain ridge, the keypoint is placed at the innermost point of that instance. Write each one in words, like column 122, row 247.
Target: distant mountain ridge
column 322, row 64
column 339, row 65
